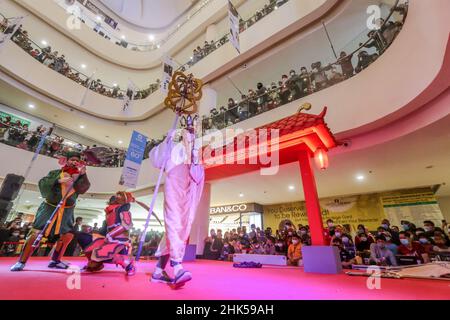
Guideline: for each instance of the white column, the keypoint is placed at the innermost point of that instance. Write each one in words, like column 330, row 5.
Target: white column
column 208, row 101
column 211, row 33
column 200, row 226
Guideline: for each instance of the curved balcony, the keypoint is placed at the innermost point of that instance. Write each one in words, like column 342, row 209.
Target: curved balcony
column 191, row 32
column 291, row 14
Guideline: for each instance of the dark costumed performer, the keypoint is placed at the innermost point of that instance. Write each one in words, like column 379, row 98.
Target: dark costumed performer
column 53, row 188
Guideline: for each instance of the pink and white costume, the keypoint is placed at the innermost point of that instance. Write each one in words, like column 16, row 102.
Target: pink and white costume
column 183, row 188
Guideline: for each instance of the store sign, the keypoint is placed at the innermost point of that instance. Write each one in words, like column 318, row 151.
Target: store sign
column 236, row 208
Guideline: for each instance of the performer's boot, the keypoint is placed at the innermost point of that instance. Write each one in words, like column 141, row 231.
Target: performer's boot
column 27, row 250
column 181, row 276
column 127, row 264
column 160, row 275
column 61, row 246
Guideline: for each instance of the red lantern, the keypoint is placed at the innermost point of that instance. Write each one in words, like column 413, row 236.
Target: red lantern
column 321, row 158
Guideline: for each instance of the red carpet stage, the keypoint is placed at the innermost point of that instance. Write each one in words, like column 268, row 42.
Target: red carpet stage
column 212, row 280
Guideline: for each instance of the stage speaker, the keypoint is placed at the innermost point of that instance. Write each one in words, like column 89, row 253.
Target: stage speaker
column 11, row 187
column 5, row 208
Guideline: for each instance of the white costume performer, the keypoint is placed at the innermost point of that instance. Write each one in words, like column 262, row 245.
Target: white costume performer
column 182, row 191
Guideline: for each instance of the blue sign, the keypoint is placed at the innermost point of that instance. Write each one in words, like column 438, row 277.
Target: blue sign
column 133, row 160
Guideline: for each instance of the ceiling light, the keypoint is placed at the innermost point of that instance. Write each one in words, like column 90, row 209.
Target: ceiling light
column 83, row 66
column 151, row 37
column 44, row 43
column 99, row 18
column 120, row 141
column 123, row 37
column 241, row 195
column 82, row 126
column 28, row 201
column 31, row 106
column 360, row 177
column 291, row 187
column 114, row 84
column 276, row 7
column 158, row 46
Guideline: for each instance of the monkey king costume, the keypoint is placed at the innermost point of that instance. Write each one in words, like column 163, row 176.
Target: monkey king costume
column 115, row 245
column 53, row 188
column 183, row 187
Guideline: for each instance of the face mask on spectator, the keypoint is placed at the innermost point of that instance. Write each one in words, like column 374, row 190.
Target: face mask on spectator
column 16, row 234
column 302, row 232
column 330, row 224
column 361, row 231
column 363, row 239
column 241, row 234
column 388, row 238
column 404, row 241
column 294, row 242
column 345, row 239
column 427, row 228
column 423, row 240
column 290, row 233
column 337, row 234
column 405, row 227
column 419, row 233
column 385, row 226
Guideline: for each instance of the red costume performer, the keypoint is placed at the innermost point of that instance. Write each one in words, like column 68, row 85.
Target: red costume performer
column 114, row 245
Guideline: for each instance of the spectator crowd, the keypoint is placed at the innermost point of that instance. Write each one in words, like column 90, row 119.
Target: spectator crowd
column 58, row 62
column 387, row 246
column 19, row 135
column 208, row 47
column 298, row 84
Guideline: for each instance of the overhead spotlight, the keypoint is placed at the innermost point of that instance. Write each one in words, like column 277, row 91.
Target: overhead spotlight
column 114, row 84
column 98, row 18
column 120, row 141
column 44, row 43
column 123, row 37
column 82, row 126
column 28, row 201
column 83, row 66
column 158, row 46
column 291, row 187
column 276, row 7
column 360, row 177
column 151, row 37
column 31, row 106
column 241, row 195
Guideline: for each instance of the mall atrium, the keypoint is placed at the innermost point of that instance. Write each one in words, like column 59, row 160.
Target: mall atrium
column 319, row 134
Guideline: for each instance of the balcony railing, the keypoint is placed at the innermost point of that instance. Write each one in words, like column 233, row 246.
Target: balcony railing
column 297, row 86
column 109, row 33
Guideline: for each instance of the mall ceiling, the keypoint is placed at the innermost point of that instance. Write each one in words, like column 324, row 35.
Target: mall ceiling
column 149, row 14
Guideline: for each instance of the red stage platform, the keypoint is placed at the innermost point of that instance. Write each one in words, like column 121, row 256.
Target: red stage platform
column 212, row 280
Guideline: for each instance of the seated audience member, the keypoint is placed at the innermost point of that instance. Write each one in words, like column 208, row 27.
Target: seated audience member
column 347, row 257
column 431, row 229
column 348, row 244
column 256, row 248
column 236, row 246
column 304, row 236
column 227, row 251
column 380, row 254
column 280, row 248
column 363, row 242
column 408, row 247
column 390, row 244
column 439, row 244
column 269, row 247
column 294, row 251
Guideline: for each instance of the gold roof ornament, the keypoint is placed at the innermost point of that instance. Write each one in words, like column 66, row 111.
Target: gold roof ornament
column 184, row 93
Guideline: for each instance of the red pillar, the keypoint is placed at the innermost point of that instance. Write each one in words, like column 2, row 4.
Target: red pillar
column 311, row 199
